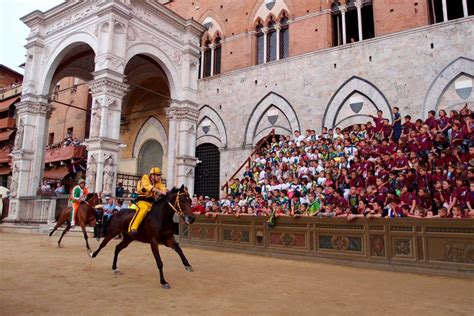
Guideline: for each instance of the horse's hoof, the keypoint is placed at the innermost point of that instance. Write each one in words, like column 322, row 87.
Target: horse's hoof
column 91, row 255
column 189, row 268
column 117, row 272
column 166, row 286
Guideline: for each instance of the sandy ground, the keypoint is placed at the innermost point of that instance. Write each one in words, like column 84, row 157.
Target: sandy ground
column 38, row 278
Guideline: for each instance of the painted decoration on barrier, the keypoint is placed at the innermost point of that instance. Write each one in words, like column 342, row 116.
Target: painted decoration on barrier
column 203, row 233
column 237, row 236
column 402, row 247
column 340, row 243
column 459, row 252
column 377, row 245
column 288, row 239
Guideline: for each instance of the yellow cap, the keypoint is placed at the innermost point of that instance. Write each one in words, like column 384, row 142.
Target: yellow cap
column 155, row 170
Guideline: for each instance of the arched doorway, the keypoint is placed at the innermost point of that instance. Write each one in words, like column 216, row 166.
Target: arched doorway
column 151, row 155
column 207, row 177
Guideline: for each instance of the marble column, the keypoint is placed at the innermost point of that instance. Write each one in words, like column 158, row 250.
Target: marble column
column 265, row 43
column 358, row 6
column 464, row 8
column 182, row 117
column 28, row 152
column 278, row 28
column 103, row 144
column 445, row 11
column 213, row 48
column 343, row 10
column 203, row 53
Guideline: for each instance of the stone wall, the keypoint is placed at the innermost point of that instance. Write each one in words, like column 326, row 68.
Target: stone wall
column 411, row 70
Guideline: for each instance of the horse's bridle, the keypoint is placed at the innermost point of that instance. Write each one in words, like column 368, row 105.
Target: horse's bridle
column 177, row 206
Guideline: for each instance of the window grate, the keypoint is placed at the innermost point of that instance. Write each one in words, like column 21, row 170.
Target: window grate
column 207, row 176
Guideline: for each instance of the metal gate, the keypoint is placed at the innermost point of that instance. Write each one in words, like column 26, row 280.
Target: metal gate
column 207, row 176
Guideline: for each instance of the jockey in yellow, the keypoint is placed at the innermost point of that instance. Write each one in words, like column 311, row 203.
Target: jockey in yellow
column 148, row 188
column 78, row 194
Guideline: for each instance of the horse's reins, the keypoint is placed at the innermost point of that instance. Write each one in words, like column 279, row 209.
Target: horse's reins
column 177, row 206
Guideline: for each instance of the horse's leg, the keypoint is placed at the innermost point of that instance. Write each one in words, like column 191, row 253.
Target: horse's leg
column 122, row 245
column 171, row 242
column 113, row 231
column 159, row 263
column 68, row 227
column 84, row 232
column 61, row 220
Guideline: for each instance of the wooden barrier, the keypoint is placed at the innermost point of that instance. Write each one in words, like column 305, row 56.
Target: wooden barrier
column 438, row 246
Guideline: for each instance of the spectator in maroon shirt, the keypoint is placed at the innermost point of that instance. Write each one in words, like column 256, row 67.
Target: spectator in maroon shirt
column 443, row 122
column 431, row 121
column 378, row 120
column 407, row 126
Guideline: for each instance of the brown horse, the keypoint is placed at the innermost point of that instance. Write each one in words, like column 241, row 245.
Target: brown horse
column 85, row 214
column 157, row 227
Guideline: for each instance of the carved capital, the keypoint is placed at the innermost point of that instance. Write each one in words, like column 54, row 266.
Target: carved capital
column 182, row 113
column 343, row 9
column 265, row 30
column 33, row 108
column 108, row 86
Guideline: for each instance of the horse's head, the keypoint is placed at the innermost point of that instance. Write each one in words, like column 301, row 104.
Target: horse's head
column 92, row 199
column 180, row 202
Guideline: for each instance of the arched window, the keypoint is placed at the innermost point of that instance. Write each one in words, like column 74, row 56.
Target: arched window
column 150, row 155
column 284, row 38
column 348, row 30
column 207, row 59
column 271, row 42
column 260, row 44
column 217, row 56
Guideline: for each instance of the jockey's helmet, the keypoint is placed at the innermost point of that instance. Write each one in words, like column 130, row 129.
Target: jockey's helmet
column 81, row 181
column 155, row 170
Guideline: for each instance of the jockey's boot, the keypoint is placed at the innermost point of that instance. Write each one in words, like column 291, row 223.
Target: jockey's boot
column 133, row 232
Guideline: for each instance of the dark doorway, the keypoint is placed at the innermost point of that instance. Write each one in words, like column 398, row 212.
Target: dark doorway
column 207, row 177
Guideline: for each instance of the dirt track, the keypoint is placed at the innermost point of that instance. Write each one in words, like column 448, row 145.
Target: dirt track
column 38, row 278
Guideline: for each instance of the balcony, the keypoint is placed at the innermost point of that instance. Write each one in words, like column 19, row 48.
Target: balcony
column 7, row 122
column 65, row 153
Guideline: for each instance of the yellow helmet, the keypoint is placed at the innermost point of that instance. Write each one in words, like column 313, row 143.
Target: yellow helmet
column 155, row 170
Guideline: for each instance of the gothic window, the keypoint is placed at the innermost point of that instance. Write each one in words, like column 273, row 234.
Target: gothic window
column 217, row 56
column 348, row 28
column 260, row 44
column 207, row 60
column 271, row 42
column 454, row 9
column 284, row 38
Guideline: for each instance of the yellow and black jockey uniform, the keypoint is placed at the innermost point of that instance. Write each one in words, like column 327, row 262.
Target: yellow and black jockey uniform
column 147, row 188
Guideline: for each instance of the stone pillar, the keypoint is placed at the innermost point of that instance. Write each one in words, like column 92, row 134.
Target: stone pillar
column 464, row 8
column 104, row 141
column 343, row 10
column 183, row 117
column 445, row 11
column 203, row 53
column 358, row 6
column 212, row 47
column 265, row 44
column 278, row 28
column 28, row 152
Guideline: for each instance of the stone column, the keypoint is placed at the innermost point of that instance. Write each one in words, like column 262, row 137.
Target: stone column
column 103, row 144
column 28, row 152
column 183, row 117
column 265, row 44
column 358, row 6
column 212, row 47
column 203, row 52
column 278, row 28
column 343, row 10
column 464, row 8
column 445, row 11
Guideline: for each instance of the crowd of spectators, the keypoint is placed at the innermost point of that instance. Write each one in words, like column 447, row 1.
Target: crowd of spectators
column 420, row 169
column 69, row 140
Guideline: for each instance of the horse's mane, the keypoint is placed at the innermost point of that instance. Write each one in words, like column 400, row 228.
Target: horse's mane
column 90, row 196
column 164, row 199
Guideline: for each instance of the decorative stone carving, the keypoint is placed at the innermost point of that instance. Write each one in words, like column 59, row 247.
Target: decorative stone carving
column 19, row 135
column 377, row 245
column 159, row 23
column 402, row 247
column 459, row 252
column 14, row 180
column 340, row 243
column 108, row 176
column 109, row 86
column 72, row 18
column 95, row 123
column 91, row 173
column 287, row 239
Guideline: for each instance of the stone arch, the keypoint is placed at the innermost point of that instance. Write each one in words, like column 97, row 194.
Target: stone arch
column 168, row 66
column 220, row 140
column 441, row 82
column 145, row 161
column 272, row 99
column 218, row 23
column 346, row 90
column 58, row 52
column 261, row 11
column 152, row 129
